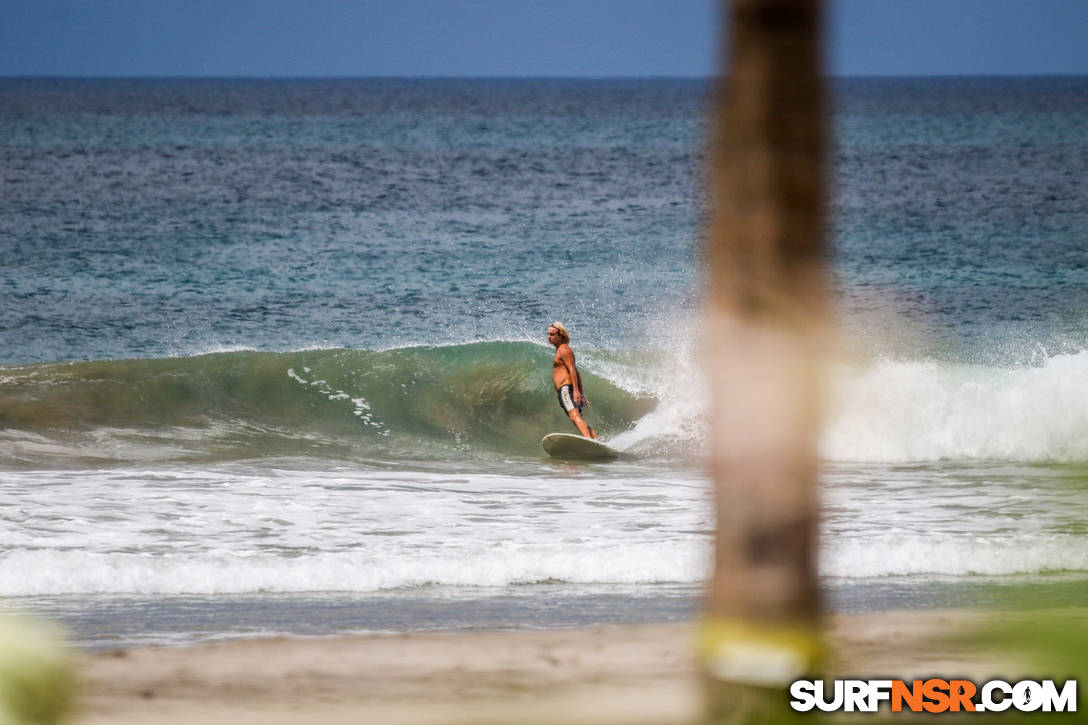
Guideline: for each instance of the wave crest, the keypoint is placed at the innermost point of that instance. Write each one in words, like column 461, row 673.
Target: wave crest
column 409, row 402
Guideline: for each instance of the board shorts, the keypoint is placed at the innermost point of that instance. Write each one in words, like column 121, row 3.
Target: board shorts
column 566, row 399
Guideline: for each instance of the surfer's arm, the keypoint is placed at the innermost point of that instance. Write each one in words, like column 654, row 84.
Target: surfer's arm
column 566, row 356
column 579, row 392
column 575, row 377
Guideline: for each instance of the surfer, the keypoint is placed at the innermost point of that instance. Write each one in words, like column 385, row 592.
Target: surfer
column 567, row 380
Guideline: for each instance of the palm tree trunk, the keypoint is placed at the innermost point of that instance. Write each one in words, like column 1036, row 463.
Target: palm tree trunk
column 765, row 347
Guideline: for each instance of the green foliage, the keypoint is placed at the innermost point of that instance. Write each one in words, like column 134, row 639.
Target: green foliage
column 37, row 682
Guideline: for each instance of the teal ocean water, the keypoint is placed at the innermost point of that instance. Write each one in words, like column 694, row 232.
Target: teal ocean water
column 273, row 356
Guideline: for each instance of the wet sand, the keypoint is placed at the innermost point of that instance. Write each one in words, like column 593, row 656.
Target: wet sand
column 618, row 674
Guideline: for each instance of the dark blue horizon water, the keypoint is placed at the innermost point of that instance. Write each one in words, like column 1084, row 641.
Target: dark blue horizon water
column 145, row 218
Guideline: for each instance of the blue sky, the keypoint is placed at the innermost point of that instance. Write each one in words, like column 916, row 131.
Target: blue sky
column 329, row 38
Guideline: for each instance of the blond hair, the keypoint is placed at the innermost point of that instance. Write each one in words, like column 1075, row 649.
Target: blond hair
column 562, row 331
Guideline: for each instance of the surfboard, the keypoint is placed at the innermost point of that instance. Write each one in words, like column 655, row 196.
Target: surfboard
column 566, row 445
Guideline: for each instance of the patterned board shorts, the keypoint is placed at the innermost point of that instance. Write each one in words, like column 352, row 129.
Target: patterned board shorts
column 566, row 399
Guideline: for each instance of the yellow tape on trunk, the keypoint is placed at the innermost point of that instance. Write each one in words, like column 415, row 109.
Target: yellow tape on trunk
column 764, row 655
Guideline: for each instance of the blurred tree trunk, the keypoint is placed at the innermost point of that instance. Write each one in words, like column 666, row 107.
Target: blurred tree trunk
column 765, row 337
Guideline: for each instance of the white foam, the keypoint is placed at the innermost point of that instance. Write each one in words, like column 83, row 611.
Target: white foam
column 235, row 529
column 56, row 572
column 924, row 411
column 37, row 573
column 952, row 555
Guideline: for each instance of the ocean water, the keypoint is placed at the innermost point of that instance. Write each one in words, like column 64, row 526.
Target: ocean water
column 273, row 355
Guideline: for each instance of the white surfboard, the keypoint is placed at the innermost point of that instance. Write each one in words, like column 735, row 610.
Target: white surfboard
column 566, row 445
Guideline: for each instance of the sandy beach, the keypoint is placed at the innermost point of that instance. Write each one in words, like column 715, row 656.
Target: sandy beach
column 620, row 674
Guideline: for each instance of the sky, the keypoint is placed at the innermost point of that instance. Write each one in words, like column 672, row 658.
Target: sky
column 516, row 38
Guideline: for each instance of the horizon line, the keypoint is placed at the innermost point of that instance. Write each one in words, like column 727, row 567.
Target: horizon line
column 226, row 77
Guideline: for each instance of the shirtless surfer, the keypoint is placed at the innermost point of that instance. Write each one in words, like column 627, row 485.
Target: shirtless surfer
column 568, row 383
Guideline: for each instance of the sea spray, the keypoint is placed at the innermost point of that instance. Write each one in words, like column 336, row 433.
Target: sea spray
column 671, row 373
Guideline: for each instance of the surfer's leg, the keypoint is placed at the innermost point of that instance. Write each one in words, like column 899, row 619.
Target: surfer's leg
column 584, row 429
column 592, row 433
column 566, row 402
